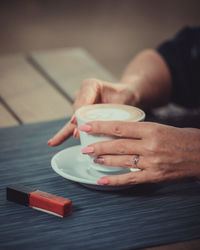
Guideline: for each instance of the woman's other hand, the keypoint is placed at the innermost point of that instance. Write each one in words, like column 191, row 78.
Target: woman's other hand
column 95, row 91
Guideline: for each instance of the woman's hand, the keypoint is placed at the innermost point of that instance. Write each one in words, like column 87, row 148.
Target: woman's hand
column 165, row 152
column 96, row 91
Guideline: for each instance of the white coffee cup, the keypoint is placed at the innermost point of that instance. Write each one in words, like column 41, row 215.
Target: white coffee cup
column 104, row 112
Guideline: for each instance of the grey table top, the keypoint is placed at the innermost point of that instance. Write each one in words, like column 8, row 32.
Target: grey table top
column 142, row 216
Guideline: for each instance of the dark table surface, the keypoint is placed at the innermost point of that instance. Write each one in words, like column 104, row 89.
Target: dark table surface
column 142, row 216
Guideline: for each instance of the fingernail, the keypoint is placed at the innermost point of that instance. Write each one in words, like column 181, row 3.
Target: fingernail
column 99, row 160
column 75, row 132
column 85, row 128
column 49, row 142
column 103, row 182
column 88, row 150
column 73, row 119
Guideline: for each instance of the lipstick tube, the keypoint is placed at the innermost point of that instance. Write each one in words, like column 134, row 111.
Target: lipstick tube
column 39, row 200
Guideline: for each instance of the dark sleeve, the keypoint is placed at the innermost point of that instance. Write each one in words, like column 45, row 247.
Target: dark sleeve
column 182, row 55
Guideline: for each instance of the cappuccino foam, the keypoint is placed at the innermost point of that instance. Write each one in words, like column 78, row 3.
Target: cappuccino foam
column 110, row 112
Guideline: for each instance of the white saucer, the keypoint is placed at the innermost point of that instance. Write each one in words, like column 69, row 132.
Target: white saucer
column 71, row 164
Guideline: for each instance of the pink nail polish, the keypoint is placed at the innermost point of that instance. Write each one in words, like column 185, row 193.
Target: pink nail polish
column 103, row 182
column 99, row 160
column 75, row 132
column 85, row 128
column 88, row 150
column 73, row 119
column 49, row 142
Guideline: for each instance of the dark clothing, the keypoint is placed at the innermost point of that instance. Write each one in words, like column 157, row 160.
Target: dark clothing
column 182, row 55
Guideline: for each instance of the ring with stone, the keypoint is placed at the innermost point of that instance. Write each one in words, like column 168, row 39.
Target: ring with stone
column 135, row 160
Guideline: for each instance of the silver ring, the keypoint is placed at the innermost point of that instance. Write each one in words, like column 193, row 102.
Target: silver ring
column 135, row 160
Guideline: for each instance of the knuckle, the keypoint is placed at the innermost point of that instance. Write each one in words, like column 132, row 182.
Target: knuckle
column 96, row 127
column 153, row 145
column 157, row 160
column 121, row 147
column 117, row 130
column 156, row 130
column 131, row 180
column 156, row 176
column 128, row 162
column 98, row 149
column 116, row 181
column 108, row 161
column 89, row 81
column 85, row 82
column 149, row 128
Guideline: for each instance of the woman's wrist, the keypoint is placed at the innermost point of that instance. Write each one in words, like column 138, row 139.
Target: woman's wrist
column 133, row 90
column 149, row 79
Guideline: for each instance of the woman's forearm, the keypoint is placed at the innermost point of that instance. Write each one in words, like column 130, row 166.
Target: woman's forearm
column 149, row 79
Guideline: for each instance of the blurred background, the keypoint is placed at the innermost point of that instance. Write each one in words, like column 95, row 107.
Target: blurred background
column 113, row 31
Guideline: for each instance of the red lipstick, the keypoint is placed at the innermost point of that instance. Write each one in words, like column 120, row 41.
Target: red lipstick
column 39, row 200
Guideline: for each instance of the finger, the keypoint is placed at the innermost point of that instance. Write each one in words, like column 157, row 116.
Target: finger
column 76, row 133
column 115, row 147
column 118, row 128
column 130, row 178
column 88, row 94
column 62, row 135
column 76, row 94
column 73, row 119
column 125, row 161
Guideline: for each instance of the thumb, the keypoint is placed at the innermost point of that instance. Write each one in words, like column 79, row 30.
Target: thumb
column 89, row 93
